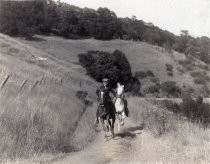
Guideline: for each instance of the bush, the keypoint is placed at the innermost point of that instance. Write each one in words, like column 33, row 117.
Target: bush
column 154, row 80
column 171, row 89
column 170, row 105
column 200, row 77
column 169, row 67
column 114, row 65
column 206, row 91
column 144, row 74
column 170, row 74
column 81, row 94
column 153, row 89
column 199, row 81
column 195, row 110
column 187, row 63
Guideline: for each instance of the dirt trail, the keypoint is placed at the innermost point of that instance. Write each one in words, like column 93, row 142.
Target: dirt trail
column 106, row 151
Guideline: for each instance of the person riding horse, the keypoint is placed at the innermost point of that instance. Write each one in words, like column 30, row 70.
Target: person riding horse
column 107, row 99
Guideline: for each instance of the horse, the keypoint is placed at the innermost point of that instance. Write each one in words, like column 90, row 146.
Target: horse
column 120, row 105
column 106, row 115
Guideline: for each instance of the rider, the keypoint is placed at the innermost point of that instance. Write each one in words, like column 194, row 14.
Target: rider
column 106, row 89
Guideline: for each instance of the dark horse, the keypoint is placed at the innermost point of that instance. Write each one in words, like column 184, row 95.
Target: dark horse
column 106, row 115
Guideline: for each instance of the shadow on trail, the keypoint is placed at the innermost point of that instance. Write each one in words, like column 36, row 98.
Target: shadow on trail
column 130, row 132
column 135, row 128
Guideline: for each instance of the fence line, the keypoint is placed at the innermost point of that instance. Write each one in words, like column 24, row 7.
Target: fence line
column 27, row 83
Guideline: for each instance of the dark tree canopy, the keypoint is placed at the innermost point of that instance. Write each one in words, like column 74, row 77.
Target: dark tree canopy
column 114, row 66
column 26, row 18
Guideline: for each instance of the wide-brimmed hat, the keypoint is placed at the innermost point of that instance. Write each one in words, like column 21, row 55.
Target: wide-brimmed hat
column 105, row 80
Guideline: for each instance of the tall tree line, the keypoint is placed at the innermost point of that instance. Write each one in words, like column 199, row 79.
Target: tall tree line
column 26, row 18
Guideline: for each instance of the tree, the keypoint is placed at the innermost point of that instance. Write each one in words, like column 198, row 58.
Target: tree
column 114, row 65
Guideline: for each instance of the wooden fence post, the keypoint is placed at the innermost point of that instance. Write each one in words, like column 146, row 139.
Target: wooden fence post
column 35, row 84
column 5, row 81
column 23, row 83
column 40, row 82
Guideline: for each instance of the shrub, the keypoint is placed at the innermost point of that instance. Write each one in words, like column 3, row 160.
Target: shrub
column 153, row 89
column 195, row 110
column 206, row 91
column 169, row 67
column 187, row 63
column 199, row 81
column 188, row 90
column 170, row 74
column 81, row 94
column 204, row 67
column 180, row 70
column 154, row 80
column 171, row 89
column 144, row 74
column 200, row 77
column 170, row 105
column 114, row 65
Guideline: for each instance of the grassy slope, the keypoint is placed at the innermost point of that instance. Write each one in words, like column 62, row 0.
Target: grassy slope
column 141, row 56
column 48, row 113
column 57, row 100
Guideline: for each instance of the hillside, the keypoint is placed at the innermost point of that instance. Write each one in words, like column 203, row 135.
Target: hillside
column 142, row 57
column 39, row 103
column 44, row 114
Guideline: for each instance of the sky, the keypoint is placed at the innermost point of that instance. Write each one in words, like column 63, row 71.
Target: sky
column 171, row 15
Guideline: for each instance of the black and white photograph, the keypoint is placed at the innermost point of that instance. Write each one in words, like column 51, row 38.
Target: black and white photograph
column 104, row 81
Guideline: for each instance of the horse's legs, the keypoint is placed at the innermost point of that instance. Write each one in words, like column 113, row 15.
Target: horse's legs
column 107, row 125
column 104, row 127
column 112, row 127
column 122, row 118
column 111, row 123
column 118, row 122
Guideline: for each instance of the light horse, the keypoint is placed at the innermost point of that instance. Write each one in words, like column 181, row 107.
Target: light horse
column 120, row 105
column 106, row 115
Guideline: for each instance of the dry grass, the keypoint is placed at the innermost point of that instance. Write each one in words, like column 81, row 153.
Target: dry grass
column 51, row 119
column 48, row 118
column 43, row 121
column 141, row 56
column 176, row 140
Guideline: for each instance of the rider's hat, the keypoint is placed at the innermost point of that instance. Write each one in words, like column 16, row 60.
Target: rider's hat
column 105, row 79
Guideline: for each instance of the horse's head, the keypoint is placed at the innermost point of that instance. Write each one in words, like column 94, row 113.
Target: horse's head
column 119, row 89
